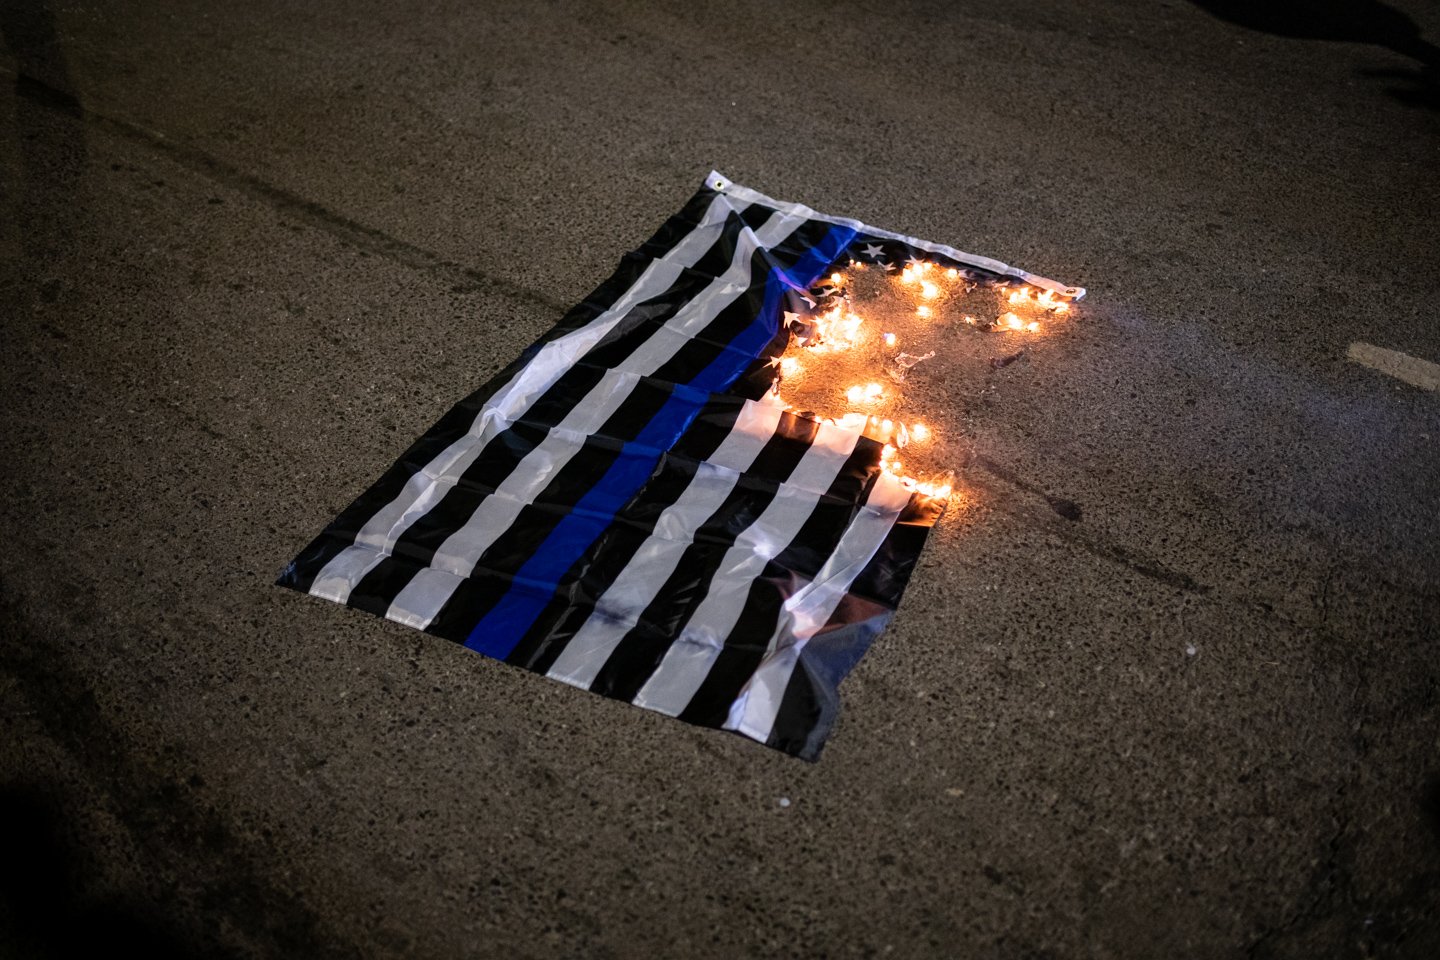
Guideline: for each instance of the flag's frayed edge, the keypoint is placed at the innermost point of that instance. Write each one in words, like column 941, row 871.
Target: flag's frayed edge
column 725, row 185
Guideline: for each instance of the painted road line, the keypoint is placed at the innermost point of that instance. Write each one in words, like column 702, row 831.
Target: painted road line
column 1401, row 366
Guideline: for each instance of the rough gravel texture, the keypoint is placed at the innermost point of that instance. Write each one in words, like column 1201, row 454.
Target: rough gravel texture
column 1164, row 686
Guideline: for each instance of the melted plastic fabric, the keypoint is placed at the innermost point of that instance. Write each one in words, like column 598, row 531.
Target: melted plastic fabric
column 619, row 509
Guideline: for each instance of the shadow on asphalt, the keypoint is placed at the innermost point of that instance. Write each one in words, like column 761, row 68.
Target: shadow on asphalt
column 44, row 909
column 52, row 155
column 1349, row 21
column 43, row 912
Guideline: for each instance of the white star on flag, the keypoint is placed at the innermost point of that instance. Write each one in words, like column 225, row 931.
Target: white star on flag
column 873, row 251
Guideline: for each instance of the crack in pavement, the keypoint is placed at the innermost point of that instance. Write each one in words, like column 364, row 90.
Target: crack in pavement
column 1107, row 551
column 348, row 231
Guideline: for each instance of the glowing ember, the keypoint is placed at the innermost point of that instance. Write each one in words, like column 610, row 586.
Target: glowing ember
column 844, row 363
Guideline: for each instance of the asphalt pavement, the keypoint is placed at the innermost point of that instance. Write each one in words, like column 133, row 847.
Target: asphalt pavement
column 1164, row 684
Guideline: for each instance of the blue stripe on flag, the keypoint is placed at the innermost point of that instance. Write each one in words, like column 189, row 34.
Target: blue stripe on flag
column 505, row 624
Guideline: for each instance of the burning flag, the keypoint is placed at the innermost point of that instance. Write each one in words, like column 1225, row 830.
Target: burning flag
column 633, row 507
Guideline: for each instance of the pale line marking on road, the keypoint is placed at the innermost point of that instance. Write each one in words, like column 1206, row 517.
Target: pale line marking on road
column 1401, row 366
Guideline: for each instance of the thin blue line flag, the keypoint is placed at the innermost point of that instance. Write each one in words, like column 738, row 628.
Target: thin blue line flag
column 619, row 509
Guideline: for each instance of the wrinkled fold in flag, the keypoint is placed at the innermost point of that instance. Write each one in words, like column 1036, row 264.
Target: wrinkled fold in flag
column 621, row 510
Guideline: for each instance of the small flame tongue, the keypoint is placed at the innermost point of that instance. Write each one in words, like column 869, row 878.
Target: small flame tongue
column 854, row 358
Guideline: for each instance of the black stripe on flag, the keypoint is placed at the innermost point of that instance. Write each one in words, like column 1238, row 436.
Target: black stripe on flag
column 416, row 547
column 644, row 646
column 596, row 570
column 494, row 570
column 811, row 702
column 737, row 316
column 536, row 520
column 475, row 596
column 797, row 564
column 340, row 533
column 633, row 265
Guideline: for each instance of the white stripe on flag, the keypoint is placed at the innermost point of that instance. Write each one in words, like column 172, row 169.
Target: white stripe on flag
column 463, row 548
column 753, row 713
column 695, row 650
column 618, row 609
column 724, row 184
column 423, row 490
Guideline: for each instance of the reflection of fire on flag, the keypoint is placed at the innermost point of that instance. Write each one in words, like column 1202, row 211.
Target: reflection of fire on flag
column 665, row 499
column 871, row 323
